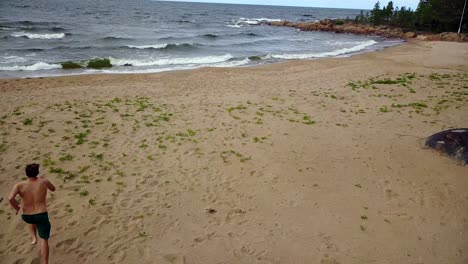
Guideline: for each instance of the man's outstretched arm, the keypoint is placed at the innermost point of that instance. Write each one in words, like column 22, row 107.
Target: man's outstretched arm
column 12, row 198
column 50, row 185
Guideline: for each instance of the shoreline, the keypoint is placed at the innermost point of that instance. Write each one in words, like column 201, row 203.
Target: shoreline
column 304, row 161
column 344, row 56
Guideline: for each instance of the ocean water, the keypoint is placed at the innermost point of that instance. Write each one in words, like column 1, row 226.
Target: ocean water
column 140, row 36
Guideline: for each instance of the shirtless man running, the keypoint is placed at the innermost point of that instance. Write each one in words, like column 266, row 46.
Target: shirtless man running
column 33, row 192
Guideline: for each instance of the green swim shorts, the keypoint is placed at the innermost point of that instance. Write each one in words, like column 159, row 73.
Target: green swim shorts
column 42, row 223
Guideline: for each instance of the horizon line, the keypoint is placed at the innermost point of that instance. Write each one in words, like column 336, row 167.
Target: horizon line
column 197, row 2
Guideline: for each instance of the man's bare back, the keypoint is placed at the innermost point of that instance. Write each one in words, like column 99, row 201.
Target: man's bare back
column 33, row 193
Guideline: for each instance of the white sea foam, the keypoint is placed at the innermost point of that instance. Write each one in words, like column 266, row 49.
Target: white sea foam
column 39, row 36
column 170, row 68
column 142, row 70
column 157, row 46
column 256, row 21
column 251, row 21
column 161, row 46
column 338, row 52
column 13, row 59
column 7, row 28
column 171, row 61
column 34, row 67
column 234, row 63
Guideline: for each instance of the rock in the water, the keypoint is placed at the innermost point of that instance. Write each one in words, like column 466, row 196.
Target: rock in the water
column 255, row 58
column 453, row 142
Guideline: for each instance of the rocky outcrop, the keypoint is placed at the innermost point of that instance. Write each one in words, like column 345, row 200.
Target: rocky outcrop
column 447, row 36
column 410, row 35
column 340, row 26
column 329, row 25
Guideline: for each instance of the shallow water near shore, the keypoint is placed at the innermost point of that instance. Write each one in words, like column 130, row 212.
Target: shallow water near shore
column 151, row 36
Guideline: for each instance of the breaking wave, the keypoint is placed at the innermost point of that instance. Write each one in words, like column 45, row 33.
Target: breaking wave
column 337, row 52
column 251, row 21
column 171, row 61
column 34, row 67
column 162, row 46
column 38, row 36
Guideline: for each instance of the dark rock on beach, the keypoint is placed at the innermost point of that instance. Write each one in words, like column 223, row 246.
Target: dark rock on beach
column 453, row 142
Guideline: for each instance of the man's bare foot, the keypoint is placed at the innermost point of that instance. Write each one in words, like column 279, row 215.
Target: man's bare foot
column 34, row 241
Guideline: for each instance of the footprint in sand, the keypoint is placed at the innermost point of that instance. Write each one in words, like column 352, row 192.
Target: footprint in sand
column 105, row 210
column 97, row 219
column 20, row 261
column 91, row 230
column 154, row 183
column 200, row 239
column 125, row 203
column 243, row 251
column 149, row 194
column 14, row 248
column 36, row 261
column 162, row 173
column 117, row 256
column 327, row 244
column 66, row 243
column 174, row 259
column 20, row 226
column 329, row 261
column 53, row 212
column 73, row 223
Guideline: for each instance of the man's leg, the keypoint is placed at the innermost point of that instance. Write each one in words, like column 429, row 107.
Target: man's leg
column 43, row 229
column 33, row 231
column 44, row 251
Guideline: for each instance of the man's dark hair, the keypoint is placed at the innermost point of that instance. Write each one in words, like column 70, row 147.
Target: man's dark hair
column 32, row 170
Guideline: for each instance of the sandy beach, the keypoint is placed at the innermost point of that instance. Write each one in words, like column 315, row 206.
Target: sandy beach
column 311, row 161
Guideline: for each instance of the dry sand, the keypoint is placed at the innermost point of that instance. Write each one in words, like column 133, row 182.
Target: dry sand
column 282, row 163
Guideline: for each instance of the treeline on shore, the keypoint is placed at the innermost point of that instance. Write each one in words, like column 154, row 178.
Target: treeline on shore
column 430, row 15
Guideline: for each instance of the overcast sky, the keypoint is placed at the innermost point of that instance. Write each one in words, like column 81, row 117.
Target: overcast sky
column 358, row 4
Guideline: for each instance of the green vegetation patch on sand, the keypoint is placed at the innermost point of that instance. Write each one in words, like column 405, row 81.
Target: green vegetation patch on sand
column 402, row 80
